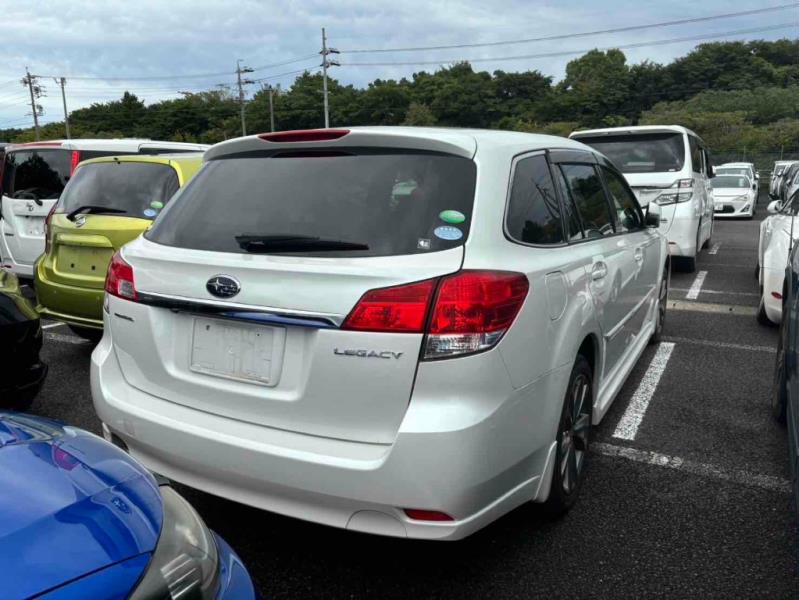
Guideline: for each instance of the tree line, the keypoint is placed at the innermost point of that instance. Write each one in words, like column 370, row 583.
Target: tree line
column 734, row 94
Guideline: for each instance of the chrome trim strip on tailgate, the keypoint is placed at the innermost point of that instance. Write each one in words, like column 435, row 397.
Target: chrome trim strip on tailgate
column 242, row 312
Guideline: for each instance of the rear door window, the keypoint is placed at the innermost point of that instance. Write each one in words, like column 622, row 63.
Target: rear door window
column 641, row 152
column 354, row 203
column 585, row 189
column 533, row 209
column 36, row 174
column 141, row 190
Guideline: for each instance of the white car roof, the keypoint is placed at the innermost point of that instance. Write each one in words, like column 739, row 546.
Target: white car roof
column 736, row 165
column 120, row 145
column 462, row 142
column 633, row 129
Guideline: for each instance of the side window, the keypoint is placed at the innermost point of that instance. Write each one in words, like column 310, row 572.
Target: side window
column 696, row 154
column 534, row 211
column 628, row 213
column 573, row 227
column 586, row 190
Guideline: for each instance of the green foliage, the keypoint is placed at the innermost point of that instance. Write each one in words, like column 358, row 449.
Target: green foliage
column 736, row 95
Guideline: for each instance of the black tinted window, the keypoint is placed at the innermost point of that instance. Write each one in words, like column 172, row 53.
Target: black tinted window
column 586, row 190
column 534, row 211
column 573, row 227
column 140, row 189
column 36, row 174
column 368, row 203
column 696, row 154
column 641, row 153
column 628, row 213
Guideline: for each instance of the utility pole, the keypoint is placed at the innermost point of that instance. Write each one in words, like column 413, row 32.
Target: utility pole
column 62, row 82
column 325, row 65
column 241, row 84
column 36, row 92
column 271, row 91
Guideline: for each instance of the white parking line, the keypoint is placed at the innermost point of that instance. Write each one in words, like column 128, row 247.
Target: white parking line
column 696, row 286
column 727, row 309
column 766, row 482
column 66, row 339
column 714, row 249
column 728, row 345
column 51, row 325
column 707, row 291
column 632, row 417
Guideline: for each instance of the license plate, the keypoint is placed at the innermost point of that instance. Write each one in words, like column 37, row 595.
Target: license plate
column 34, row 226
column 233, row 351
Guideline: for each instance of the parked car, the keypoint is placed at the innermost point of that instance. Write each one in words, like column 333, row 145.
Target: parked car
column 739, row 168
column 22, row 373
column 108, row 202
column 80, row 519
column 734, row 196
column 786, row 180
column 377, row 338
column 785, row 390
column 668, row 165
column 34, row 175
column 776, row 173
column 791, row 185
column 778, row 233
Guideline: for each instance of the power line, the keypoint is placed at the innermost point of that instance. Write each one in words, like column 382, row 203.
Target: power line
column 288, row 62
column 690, row 38
column 579, row 35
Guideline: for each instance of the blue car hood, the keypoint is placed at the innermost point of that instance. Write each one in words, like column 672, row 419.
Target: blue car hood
column 70, row 504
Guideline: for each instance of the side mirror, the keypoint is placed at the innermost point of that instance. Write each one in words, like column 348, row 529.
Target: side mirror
column 773, row 207
column 652, row 218
column 754, row 186
column 711, row 172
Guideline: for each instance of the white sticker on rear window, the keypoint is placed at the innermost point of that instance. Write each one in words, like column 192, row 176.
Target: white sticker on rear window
column 448, row 233
column 423, row 244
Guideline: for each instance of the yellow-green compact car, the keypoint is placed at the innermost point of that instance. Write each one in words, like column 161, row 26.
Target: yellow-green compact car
column 108, row 202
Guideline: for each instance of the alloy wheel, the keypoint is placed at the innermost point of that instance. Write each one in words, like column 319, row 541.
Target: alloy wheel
column 574, row 433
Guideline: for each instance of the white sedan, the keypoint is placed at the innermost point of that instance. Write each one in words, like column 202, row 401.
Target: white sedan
column 734, row 196
column 778, row 233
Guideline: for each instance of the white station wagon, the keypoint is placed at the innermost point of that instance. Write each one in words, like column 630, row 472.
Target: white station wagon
column 401, row 331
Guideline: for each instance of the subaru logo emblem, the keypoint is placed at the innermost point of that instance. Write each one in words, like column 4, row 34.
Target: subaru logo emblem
column 223, row 286
column 29, row 206
column 80, row 221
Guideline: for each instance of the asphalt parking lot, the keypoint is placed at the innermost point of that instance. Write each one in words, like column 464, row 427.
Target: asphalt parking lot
column 687, row 492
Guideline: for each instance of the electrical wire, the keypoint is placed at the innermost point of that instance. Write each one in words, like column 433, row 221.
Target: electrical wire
column 564, row 36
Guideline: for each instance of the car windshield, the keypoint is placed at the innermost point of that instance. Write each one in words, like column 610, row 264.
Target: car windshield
column 733, row 171
column 641, row 153
column 36, row 174
column 358, row 203
column 138, row 189
column 730, row 181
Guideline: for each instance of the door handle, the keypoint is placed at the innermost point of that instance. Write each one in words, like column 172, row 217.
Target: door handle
column 639, row 254
column 599, row 271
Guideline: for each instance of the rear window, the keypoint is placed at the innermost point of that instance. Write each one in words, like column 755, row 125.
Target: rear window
column 733, row 171
column 641, row 153
column 359, row 203
column 140, row 189
column 36, row 174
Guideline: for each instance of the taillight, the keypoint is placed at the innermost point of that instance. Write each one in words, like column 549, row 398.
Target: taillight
column 418, row 514
column 400, row 309
column 304, row 135
column 469, row 312
column 73, row 161
column 48, row 243
column 472, row 311
column 119, row 281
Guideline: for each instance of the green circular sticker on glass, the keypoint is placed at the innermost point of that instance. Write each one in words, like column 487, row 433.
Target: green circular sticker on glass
column 157, row 204
column 452, row 216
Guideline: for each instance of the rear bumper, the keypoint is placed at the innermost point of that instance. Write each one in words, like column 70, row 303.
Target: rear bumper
column 773, row 281
column 73, row 305
column 682, row 231
column 474, row 471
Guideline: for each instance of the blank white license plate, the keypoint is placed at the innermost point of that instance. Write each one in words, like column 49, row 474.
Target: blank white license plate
column 235, row 351
column 34, row 226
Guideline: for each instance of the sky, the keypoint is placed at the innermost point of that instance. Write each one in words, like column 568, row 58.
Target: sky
column 158, row 48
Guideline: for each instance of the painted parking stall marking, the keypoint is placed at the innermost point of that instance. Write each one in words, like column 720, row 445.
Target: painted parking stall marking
column 696, row 286
column 51, row 325
column 714, row 249
column 728, row 345
column 712, row 308
column 636, row 409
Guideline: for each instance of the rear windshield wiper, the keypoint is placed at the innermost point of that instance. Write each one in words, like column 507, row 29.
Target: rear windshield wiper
column 90, row 208
column 293, row 243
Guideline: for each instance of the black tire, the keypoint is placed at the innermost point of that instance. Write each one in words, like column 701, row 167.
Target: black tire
column 688, row 264
column 663, row 301
column 757, row 272
column 572, row 439
column 779, row 390
column 87, row 333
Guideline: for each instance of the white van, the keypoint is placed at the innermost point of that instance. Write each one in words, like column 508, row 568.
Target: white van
column 33, row 176
column 669, row 165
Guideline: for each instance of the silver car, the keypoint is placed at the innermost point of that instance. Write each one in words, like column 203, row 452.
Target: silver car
column 400, row 331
